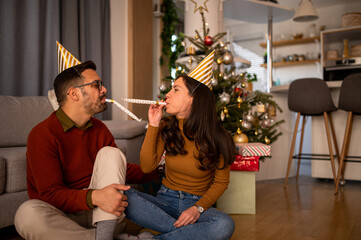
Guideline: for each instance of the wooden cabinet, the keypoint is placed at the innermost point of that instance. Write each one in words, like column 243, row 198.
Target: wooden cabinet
column 336, row 68
column 333, row 40
column 289, row 43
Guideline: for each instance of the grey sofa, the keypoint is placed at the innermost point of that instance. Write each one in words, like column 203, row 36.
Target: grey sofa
column 18, row 115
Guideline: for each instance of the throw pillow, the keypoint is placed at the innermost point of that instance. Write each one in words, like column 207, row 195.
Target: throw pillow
column 52, row 98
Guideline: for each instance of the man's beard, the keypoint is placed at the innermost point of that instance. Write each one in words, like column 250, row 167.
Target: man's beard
column 93, row 107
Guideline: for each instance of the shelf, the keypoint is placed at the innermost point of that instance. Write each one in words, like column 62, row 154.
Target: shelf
column 285, row 64
column 292, row 42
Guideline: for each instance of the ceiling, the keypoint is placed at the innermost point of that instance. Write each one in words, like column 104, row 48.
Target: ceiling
column 239, row 10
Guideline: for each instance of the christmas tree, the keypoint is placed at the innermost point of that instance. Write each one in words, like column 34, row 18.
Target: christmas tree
column 249, row 115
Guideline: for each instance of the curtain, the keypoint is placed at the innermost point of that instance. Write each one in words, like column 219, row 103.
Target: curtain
column 29, row 30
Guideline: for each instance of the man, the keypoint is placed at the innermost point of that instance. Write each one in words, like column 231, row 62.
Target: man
column 75, row 173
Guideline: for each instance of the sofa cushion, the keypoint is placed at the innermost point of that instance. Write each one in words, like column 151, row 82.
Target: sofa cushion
column 9, row 203
column 2, row 175
column 125, row 129
column 19, row 115
column 15, row 168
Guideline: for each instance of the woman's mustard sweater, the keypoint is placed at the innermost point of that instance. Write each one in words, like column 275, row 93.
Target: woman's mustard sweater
column 182, row 172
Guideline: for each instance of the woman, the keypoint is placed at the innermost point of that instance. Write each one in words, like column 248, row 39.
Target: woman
column 198, row 153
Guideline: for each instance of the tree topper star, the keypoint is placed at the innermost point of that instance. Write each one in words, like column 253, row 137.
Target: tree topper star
column 200, row 8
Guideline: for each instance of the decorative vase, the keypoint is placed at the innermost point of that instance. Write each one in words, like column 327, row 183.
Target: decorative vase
column 346, row 52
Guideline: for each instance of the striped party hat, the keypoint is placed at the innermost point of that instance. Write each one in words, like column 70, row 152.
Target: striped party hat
column 65, row 58
column 203, row 72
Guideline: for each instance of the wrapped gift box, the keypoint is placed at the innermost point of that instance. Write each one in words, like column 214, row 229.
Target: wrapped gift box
column 242, row 163
column 253, row 149
column 240, row 196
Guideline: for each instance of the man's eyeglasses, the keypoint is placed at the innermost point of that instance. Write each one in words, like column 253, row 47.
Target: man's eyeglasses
column 97, row 83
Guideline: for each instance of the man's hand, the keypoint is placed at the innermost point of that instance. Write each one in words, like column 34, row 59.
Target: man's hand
column 188, row 216
column 110, row 199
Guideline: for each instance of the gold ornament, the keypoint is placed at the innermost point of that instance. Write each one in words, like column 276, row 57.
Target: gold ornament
column 225, row 110
column 227, row 57
column 219, row 61
column 191, row 50
column 239, row 100
column 256, row 132
column 240, row 137
column 243, row 85
column 261, row 108
column 272, row 111
column 267, row 140
column 200, row 8
column 248, row 86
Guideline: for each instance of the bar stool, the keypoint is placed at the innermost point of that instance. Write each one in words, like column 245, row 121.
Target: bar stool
column 311, row 97
column 350, row 101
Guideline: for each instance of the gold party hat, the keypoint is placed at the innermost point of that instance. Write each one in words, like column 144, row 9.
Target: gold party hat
column 65, row 58
column 203, row 72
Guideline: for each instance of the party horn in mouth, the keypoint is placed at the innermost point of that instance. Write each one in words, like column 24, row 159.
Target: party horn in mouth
column 141, row 101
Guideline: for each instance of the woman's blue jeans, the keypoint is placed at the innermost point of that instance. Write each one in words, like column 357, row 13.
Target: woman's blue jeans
column 161, row 212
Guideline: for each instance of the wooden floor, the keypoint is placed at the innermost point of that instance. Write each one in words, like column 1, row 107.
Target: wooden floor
column 307, row 210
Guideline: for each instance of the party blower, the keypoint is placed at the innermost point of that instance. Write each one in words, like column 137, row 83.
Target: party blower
column 141, row 101
column 137, row 101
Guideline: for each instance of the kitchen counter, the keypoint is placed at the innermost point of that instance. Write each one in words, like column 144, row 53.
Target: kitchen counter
column 284, row 88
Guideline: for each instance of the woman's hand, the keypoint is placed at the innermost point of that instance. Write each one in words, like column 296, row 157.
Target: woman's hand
column 155, row 114
column 188, row 216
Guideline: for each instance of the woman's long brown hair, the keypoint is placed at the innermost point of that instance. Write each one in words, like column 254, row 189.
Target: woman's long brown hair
column 211, row 139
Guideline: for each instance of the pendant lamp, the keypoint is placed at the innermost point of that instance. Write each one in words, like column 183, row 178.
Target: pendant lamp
column 305, row 12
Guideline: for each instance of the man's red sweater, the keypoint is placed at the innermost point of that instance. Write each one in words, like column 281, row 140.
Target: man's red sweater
column 60, row 164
